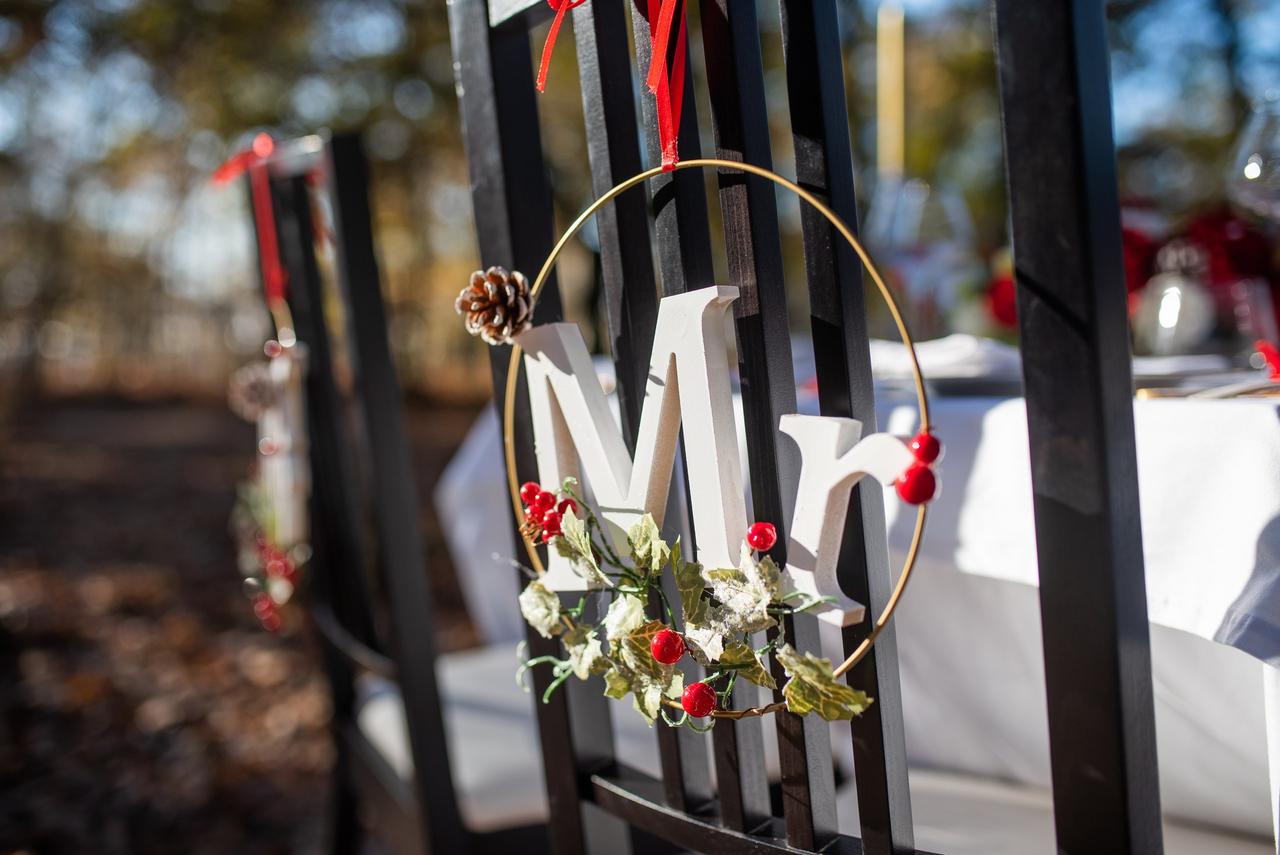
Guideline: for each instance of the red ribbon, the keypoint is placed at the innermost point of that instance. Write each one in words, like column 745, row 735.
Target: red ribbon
column 665, row 80
column 561, row 6
column 253, row 160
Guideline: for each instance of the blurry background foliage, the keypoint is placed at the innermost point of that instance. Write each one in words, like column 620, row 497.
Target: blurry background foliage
column 122, row 269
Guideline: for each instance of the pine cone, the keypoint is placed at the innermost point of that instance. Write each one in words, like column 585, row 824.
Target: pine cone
column 496, row 304
column 251, row 391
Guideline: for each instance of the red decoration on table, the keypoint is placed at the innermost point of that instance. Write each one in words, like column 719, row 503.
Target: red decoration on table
column 665, row 78
column 762, row 536
column 667, row 646
column 917, row 485
column 253, row 160
column 1271, row 355
column 1002, row 300
column 698, row 700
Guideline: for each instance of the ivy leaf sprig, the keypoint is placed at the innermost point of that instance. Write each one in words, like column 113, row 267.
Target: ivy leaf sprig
column 637, row 654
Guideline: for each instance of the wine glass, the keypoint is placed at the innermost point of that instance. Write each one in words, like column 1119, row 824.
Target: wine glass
column 1254, row 185
column 1255, row 171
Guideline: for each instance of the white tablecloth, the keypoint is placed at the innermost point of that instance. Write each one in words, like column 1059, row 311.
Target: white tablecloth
column 1209, row 475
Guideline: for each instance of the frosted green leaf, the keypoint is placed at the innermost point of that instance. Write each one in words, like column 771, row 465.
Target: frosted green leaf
column 575, row 544
column 689, row 583
column 646, row 678
column 625, row 615
column 745, row 592
column 634, row 648
column 616, row 684
column 740, row 656
column 648, row 549
column 813, row 687
column 584, row 651
column 706, row 643
column 649, row 700
column 541, row 608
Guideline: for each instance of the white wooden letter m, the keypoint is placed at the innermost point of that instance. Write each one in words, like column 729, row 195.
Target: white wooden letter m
column 575, row 434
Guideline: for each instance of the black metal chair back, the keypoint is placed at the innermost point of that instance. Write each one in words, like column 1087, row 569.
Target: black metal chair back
column 1061, row 174
column 355, row 564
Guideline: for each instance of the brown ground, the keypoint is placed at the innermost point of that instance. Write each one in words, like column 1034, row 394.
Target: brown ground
column 141, row 709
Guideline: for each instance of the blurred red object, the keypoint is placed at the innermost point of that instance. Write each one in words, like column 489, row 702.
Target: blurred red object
column 1235, row 249
column 1139, row 264
column 1002, row 300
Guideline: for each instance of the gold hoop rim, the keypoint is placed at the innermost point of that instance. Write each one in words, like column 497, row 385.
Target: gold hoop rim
column 922, row 398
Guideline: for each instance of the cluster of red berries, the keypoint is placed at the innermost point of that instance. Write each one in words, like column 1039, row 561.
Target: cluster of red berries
column 667, row 646
column 699, row 699
column 276, row 564
column 542, row 512
column 918, row 484
column 267, row 612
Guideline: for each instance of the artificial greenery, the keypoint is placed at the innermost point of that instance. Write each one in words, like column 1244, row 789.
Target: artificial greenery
column 717, row 613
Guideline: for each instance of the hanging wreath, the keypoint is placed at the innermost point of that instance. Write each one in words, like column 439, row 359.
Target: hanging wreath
column 643, row 635
column 269, row 520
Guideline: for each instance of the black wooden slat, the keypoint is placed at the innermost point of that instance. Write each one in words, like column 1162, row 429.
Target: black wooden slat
column 613, row 151
column 395, row 500
column 679, row 199
column 513, row 215
column 820, row 131
column 336, row 565
column 1060, row 156
column 679, row 210
column 731, row 44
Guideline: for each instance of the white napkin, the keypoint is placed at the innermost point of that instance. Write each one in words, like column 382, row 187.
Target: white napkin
column 957, row 355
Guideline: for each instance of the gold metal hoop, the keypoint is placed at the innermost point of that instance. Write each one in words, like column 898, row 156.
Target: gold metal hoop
column 922, row 399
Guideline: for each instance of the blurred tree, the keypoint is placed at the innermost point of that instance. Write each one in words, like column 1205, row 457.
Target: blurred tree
column 113, row 112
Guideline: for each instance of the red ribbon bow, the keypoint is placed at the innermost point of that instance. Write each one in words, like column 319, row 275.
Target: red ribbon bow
column 665, row 78
column 253, row 160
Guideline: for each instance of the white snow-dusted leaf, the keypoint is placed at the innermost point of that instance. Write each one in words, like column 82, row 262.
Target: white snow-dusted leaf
column 745, row 592
column 541, row 608
column 584, row 650
column 625, row 615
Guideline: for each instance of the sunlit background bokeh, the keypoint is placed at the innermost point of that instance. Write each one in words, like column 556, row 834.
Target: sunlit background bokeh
column 122, row 268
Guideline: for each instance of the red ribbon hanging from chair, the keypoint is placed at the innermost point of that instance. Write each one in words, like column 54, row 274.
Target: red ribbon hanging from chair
column 665, row 79
column 253, row 160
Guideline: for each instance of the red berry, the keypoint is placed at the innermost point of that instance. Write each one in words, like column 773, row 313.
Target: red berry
column 667, row 646
column 762, row 536
column 567, row 505
column 543, row 502
column 551, row 522
column 917, row 485
column 263, row 605
column 277, row 567
column 529, row 491
column 698, row 700
column 273, row 349
column 271, row 622
column 532, row 517
column 268, row 446
column 546, row 536
column 926, row 447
